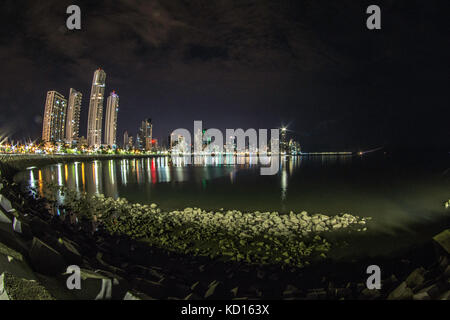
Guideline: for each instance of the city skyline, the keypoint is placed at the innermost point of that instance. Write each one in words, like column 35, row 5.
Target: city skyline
column 62, row 118
column 335, row 84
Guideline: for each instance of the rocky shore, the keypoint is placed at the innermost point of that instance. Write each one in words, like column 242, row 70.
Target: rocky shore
column 37, row 246
column 294, row 239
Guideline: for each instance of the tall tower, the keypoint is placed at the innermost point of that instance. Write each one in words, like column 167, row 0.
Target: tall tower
column 146, row 134
column 126, row 139
column 112, row 108
column 283, row 140
column 95, row 117
column 54, row 117
column 73, row 116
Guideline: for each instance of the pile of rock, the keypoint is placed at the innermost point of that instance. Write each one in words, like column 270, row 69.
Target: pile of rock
column 293, row 239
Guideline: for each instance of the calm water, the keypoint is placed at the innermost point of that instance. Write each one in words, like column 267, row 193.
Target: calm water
column 398, row 193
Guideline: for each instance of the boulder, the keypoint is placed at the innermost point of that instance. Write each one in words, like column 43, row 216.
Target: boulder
column 176, row 288
column 14, row 263
column 40, row 228
column 192, row 296
column 11, row 239
column 416, row 278
column 46, row 260
column 447, row 272
column 5, row 204
column 434, row 290
column 70, row 251
column 199, row 288
column 421, row 296
column 368, row 294
column 234, row 291
column 22, row 228
column 316, row 294
column 16, row 288
column 149, row 273
column 445, row 296
column 402, row 292
column 56, row 287
column 134, row 295
column 109, row 267
column 290, row 291
column 442, row 241
column 215, row 290
column 151, row 288
column 390, row 283
column 94, row 286
column 4, row 218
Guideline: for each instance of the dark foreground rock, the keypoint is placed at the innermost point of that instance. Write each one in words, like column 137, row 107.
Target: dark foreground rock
column 15, row 288
column 38, row 249
column 45, row 259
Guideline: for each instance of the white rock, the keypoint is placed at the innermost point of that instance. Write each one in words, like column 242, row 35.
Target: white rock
column 4, row 218
column 5, row 204
column 17, row 225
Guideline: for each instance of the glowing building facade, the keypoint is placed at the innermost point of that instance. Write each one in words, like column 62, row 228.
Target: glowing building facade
column 112, row 109
column 54, row 117
column 73, row 116
column 95, row 117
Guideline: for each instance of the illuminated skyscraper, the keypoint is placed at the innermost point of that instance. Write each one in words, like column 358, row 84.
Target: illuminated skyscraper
column 95, row 117
column 54, row 117
column 73, row 116
column 145, row 135
column 283, row 140
column 126, row 139
column 112, row 108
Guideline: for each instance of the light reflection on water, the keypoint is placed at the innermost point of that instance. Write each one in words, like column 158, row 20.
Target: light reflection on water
column 328, row 184
column 107, row 177
column 396, row 195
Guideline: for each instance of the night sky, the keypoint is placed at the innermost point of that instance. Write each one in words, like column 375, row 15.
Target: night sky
column 312, row 65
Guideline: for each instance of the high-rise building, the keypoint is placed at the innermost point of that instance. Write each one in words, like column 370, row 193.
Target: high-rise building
column 54, row 117
column 95, row 117
column 284, row 146
column 112, row 108
column 144, row 139
column 155, row 145
column 126, row 139
column 73, row 116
